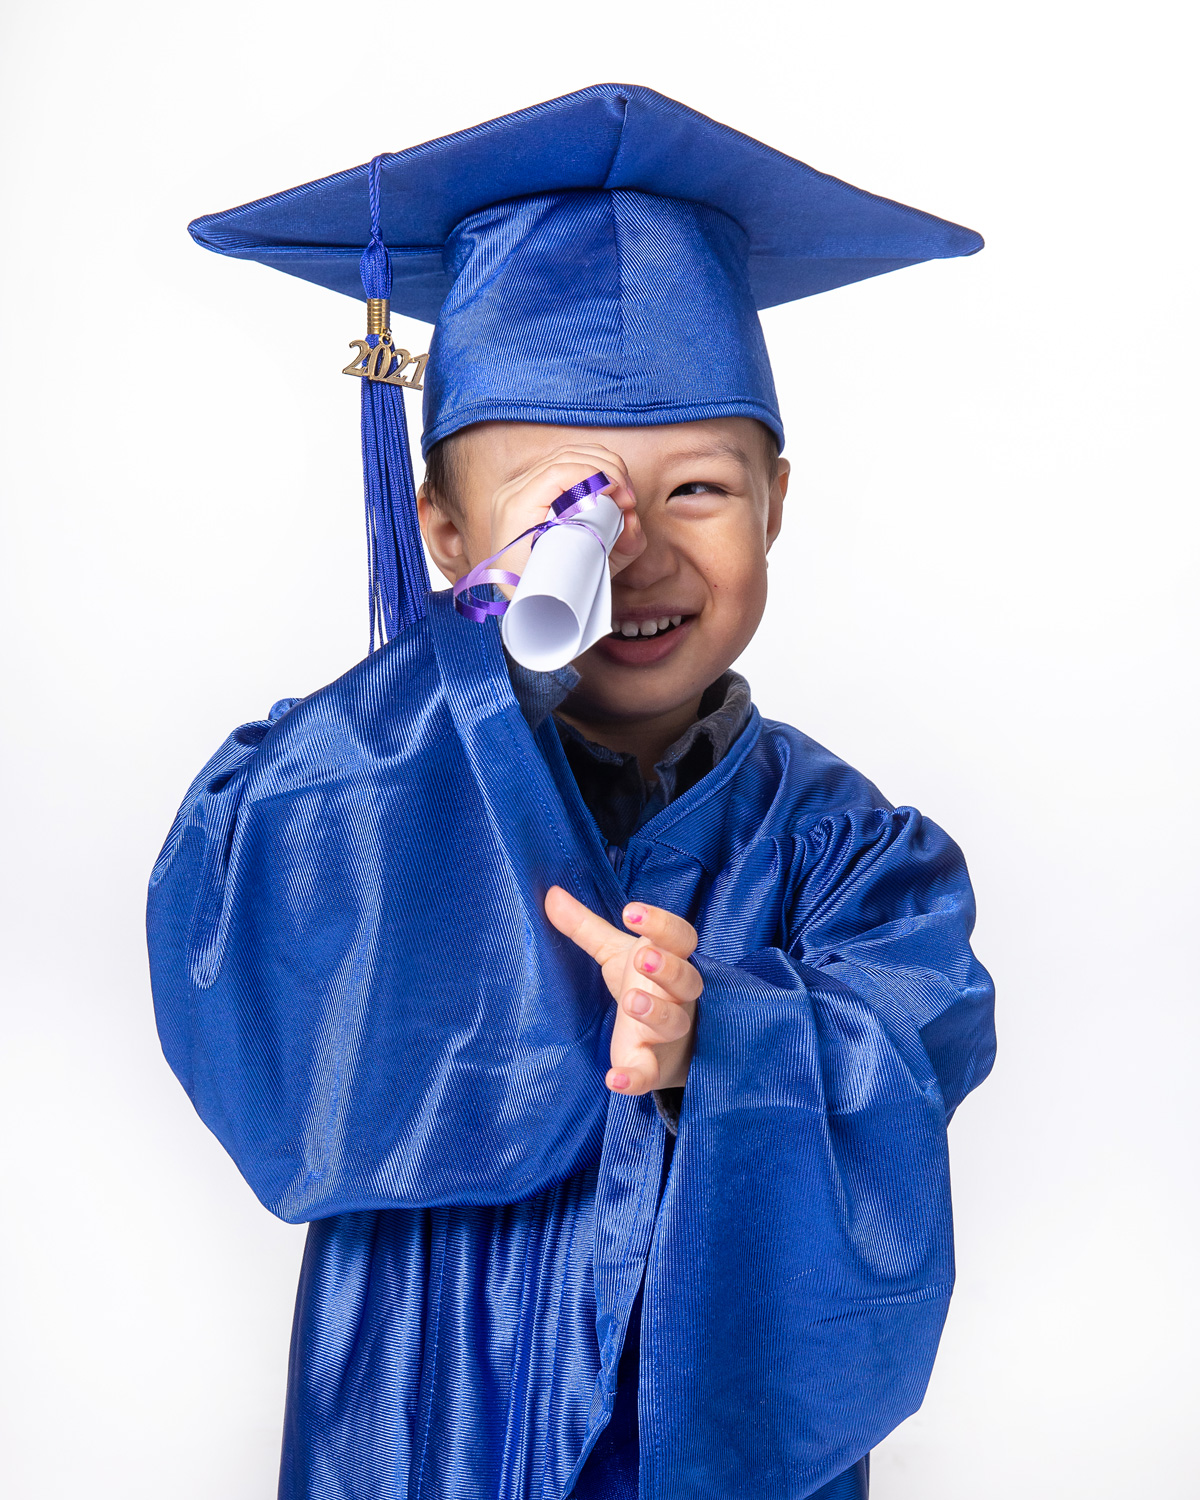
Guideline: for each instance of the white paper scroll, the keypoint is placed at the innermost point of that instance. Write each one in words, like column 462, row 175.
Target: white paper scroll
column 563, row 603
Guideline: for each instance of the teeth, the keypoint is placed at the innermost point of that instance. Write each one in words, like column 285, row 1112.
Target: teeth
column 631, row 628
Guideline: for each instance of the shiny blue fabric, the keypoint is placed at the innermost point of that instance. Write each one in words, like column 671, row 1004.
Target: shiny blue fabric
column 355, row 982
column 598, row 259
column 808, row 231
column 606, row 309
column 396, row 578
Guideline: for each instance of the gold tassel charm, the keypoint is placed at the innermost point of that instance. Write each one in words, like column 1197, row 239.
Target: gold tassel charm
column 383, row 361
column 379, row 316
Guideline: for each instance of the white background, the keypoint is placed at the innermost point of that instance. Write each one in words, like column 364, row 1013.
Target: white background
column 982, row 598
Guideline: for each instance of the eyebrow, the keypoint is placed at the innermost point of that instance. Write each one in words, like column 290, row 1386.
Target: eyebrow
column 718, row 449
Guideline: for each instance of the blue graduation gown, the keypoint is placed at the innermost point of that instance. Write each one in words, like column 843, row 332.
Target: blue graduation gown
column 355, row 982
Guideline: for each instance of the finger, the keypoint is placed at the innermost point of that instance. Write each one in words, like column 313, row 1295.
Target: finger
column 611, row 460
column 598, row 938
column 629, row 546
column 592, row 450
column 635, row 1077
column 592, row 460
column 632, row 536
column 535, row 490
column 644, row 1061
column 663, row 1020
column 631, row 543
column 541, row 484
column 678, row 978
column 546, row 481
column 661, row 927
column 613, row 465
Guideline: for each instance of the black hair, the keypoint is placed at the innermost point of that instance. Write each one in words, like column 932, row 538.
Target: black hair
column 443, row 477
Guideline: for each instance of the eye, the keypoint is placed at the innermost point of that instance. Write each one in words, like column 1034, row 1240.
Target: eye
column 698, row 487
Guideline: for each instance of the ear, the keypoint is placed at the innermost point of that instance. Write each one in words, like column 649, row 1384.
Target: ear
column 775, row 500
column 442, row 537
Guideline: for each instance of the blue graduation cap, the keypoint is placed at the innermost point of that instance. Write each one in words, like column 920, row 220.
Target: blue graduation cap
column 599, row 260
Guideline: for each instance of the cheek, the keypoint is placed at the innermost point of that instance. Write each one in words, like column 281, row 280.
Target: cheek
column 476, row 530
column 735, row 566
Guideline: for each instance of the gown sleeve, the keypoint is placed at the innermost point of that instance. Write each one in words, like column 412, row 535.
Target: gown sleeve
column 805, row 1228
column 364, row 1002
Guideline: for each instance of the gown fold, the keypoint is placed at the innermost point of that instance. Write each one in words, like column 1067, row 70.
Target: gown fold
column 355, row 981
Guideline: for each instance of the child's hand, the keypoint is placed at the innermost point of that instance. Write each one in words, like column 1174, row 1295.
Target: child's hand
column 651, row 1047
column 525, row 501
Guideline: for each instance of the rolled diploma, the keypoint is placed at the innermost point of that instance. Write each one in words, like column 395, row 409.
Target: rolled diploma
column 563, row 603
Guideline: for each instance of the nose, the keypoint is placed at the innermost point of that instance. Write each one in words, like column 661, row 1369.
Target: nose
column 658, row 561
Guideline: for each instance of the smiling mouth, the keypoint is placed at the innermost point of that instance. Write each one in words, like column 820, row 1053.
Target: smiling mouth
column 645, row 643
column 631, row 630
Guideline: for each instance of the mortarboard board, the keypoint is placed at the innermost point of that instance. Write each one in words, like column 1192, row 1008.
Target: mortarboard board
column 596, row 260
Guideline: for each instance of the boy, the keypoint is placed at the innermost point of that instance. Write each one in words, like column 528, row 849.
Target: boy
column 725, row 1274
column 684, row 608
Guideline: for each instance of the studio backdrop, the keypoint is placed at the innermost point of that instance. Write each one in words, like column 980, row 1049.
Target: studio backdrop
column 983, row 597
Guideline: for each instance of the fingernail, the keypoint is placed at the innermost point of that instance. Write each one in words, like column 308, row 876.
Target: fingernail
column 649, row 961
column 639, row 1004
column 620, row 1081
column 635, row 914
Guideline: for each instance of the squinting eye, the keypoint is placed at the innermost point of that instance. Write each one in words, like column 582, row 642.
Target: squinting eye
column 696, row 487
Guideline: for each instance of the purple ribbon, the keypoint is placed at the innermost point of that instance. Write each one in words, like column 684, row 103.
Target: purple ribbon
column 570, row 503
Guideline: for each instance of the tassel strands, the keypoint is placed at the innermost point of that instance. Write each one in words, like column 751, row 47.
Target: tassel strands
column 397, row 580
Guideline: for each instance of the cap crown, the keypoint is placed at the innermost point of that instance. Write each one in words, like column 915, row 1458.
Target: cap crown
column 597, row 308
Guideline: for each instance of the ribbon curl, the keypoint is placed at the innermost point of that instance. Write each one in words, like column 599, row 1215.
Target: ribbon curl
column 569, row 505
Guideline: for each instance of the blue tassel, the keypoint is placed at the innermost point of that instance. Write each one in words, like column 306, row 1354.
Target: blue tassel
column 397, row 577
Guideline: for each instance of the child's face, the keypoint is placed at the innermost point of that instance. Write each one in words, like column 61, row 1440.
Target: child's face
column 710, row 503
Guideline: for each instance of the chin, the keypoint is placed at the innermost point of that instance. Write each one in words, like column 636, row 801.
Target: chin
column 630, row 678
column 610, row 691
